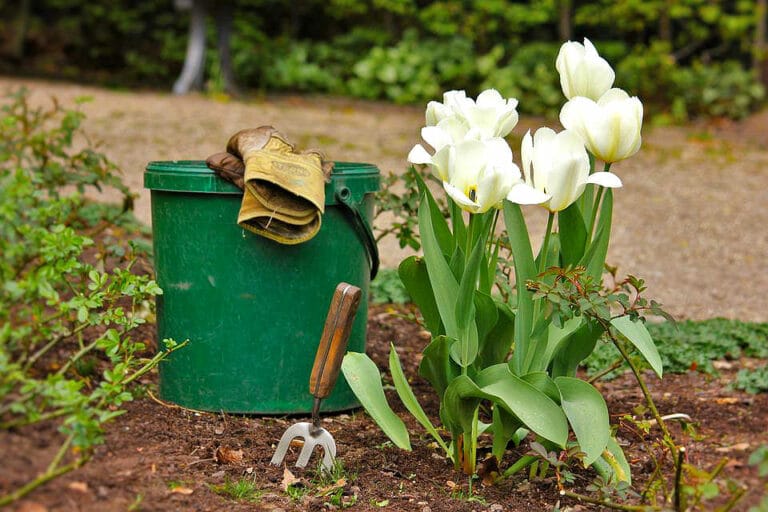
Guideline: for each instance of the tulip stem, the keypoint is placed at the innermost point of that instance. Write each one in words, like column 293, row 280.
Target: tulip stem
column 545, row 245
column 596, row 206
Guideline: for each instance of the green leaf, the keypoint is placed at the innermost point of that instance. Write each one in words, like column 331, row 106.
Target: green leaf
column 637, row 334
column 409, row 400
column 413, row 274
column 575, row 348
column 436, row 365
column 555, row 338
column 461, row 399
column 444, row 285
column 465, row 304
column 496, row 326
column 614, row 457
column 363, row 377
column 525, row 269
column 542, row 382
column 439, row 225
column 457, row 221
column 588, row 415
column 573, row 235
column 535, row 409
column 504, row 426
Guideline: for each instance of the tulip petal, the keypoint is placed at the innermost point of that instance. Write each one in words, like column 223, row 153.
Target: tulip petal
column 522, row 193
column 436, row 137
column 605, row 179
column 419, row 155
column 460, row 198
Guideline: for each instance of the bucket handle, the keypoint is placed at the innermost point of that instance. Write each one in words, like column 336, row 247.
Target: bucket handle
column 344, row 196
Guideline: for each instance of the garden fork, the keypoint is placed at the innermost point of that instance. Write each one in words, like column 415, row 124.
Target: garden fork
column 330, row 352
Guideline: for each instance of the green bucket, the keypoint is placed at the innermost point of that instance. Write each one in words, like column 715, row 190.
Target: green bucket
column 253, row 309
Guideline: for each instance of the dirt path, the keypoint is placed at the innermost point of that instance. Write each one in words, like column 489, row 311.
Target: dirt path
column 692, row 219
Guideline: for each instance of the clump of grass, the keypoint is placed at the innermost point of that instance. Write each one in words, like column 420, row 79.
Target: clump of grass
column 238, row 490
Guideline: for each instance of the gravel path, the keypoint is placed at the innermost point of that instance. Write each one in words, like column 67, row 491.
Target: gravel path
column 692, row 218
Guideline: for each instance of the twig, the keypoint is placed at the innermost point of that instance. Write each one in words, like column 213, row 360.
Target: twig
column 608, row 503
column 679, row 479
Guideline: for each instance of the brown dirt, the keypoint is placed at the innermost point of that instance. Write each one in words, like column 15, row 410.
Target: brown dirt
column 156, row 447
column 691, row 218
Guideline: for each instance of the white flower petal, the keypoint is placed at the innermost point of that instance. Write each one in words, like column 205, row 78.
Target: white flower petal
column 460, row 198
column 605, row 179
column 436, row 137
column 419, row 155
column 522, row 193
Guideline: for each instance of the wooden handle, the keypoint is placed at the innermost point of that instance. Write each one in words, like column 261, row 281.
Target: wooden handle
column 333, row 342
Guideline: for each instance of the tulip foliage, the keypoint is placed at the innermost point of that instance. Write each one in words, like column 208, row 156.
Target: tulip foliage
column 508, row 368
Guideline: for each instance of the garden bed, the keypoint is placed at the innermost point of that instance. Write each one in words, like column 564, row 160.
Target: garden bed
column 162, row 457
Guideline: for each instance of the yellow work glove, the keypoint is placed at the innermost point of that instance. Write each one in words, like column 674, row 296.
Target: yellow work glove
column 284, row 191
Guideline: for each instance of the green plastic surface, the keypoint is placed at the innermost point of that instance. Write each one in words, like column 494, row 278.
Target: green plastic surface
column 252, row 309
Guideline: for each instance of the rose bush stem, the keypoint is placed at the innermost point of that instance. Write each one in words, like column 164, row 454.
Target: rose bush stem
column 646, row 393
column 607, row 503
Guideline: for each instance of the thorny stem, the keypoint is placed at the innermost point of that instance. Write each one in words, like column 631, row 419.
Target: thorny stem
column 41, row 480
column 667, row 437
column 679, row 479
column 646, row 393
column 607, row 503
column 735, row 498
column 37, row 355
column 616, row 364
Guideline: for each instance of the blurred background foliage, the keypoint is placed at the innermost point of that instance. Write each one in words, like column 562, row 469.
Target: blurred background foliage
column 684, row 58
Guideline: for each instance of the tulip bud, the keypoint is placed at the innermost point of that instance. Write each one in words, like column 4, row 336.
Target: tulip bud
column 582, row 71
column 610, row 127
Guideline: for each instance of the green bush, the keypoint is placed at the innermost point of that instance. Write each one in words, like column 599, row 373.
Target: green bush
column 530, row 76
column 717, row 89
column 69, row 301
column 693, row 345
column 414, row 70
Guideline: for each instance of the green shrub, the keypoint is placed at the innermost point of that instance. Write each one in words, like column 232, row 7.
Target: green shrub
column 717, row 89
column 693, row 345
column 414, row 70
column 752, row 381
column 69, row 302
column 530, row 76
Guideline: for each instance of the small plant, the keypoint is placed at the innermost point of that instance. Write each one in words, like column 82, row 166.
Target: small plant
column 752, row 380
column 387, row 288
column 70, row 303
column 507, row 368
column 243, row 489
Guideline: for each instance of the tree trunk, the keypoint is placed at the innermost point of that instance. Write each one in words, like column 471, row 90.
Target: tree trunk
column 20, row 35
column 565, row 20
column 665, row 25
column 223, row 34
column 191, row 77
column 759, row 47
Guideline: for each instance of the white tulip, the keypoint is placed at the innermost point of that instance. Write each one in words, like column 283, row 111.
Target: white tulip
column 582, row 71
column 610, row 127
column 480, row 174
column 485, row 118
column 437, row 111
column 556, row 170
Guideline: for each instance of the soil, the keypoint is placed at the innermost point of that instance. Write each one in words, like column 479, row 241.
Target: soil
column 162, row 457
column 691, row 220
